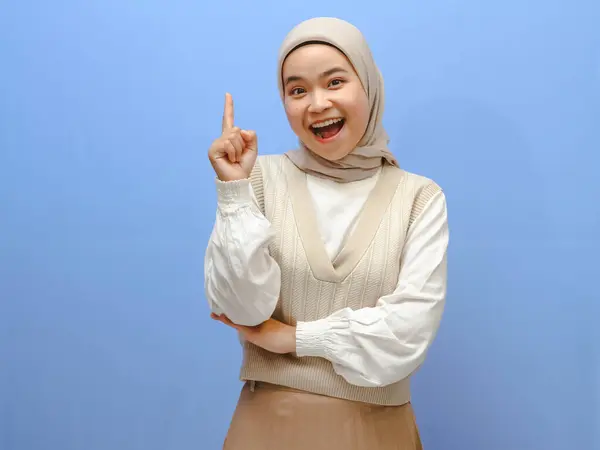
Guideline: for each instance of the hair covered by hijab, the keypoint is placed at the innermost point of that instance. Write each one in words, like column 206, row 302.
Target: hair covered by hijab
column 372, row 151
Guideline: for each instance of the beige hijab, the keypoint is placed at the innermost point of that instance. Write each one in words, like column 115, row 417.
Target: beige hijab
column 372, row 151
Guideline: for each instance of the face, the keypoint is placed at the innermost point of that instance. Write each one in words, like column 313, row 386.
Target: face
column 324, row 100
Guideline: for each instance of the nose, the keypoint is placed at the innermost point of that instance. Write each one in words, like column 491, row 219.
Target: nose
column 319, row 102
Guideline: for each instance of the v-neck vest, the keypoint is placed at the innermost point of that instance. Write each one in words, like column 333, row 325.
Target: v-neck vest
column 313, row 286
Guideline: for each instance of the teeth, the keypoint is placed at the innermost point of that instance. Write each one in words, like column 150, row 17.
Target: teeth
column 326, row 123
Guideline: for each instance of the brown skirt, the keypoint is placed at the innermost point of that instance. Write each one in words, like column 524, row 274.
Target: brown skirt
column 277, row 418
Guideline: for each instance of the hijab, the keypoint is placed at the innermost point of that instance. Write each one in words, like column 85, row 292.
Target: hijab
column 372, row 151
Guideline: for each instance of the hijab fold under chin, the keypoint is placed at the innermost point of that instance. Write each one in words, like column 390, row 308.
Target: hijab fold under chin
column 372, row 151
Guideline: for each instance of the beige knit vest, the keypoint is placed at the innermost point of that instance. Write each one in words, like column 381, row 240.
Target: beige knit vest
column 313, row 286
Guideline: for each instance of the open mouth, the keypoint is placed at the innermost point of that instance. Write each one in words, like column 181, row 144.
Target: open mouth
column 328, row 129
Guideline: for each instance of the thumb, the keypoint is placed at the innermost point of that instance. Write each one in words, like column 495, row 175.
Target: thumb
column 250, row 139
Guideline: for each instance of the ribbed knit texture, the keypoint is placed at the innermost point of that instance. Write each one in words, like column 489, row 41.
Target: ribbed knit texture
column 313, row 287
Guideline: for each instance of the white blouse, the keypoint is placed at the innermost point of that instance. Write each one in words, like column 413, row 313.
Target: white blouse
column 372, row 346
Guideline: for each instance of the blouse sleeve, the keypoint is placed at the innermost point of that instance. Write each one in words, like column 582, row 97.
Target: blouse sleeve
column 242, row 280
column 383, row 344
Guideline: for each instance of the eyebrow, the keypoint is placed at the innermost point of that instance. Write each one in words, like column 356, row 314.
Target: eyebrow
column 325, row 74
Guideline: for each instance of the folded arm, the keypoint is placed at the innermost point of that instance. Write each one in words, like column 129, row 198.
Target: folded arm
column 381, row 345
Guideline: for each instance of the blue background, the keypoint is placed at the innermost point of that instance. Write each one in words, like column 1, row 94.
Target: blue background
column 107, row 109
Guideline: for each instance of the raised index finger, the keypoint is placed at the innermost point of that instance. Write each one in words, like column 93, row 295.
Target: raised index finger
column 228, row 113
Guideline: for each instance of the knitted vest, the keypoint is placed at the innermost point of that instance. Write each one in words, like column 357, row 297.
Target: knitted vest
column 313, row 286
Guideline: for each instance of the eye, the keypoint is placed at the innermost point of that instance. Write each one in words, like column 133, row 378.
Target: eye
column 297, row 91
column 336, row 82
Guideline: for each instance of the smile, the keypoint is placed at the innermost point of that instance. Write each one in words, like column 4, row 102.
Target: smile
column 328, row 129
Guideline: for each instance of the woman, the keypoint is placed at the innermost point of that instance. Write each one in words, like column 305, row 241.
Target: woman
column 329, row 260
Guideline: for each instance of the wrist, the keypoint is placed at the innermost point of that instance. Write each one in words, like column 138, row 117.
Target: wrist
column 312, row 338
column 233, row 192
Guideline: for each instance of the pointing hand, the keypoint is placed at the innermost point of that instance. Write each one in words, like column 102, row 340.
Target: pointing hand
column 234, row 153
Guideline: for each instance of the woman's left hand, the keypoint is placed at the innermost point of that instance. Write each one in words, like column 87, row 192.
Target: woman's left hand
column 272, row 335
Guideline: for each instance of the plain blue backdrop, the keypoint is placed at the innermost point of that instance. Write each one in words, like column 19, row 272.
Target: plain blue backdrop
column 107, row 200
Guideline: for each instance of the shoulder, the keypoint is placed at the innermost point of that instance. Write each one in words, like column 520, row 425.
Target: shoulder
column 423, row 192
column 416, row 186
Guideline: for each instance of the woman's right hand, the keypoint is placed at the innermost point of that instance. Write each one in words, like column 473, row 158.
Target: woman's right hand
column 234, row 153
